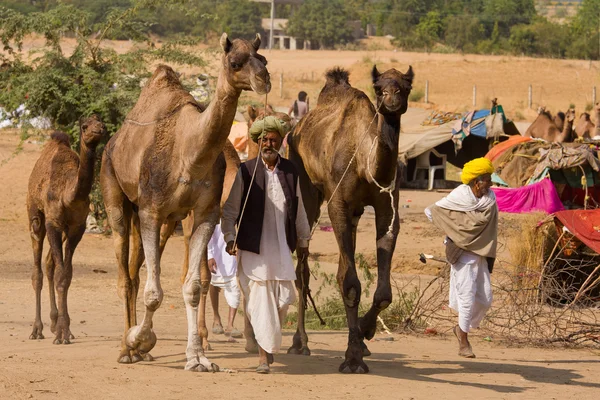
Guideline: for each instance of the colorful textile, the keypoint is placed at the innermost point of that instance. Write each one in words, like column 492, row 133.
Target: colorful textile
column 500, row 148
column 540, row 196
column 583, row 224
column 438, row 117
column 475, row 168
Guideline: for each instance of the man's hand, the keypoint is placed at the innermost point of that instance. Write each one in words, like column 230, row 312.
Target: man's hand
column 212, row 265
column 230, row 249
column 302, row 253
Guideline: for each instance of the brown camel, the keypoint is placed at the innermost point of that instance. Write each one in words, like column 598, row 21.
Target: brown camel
column 58, row 205
column 232, row 161
column 322, row 145
column 545, row 128
column 585, row 128
column 165, row 161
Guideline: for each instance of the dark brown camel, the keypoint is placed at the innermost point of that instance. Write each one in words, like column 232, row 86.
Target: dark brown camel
column 322, row 145
column 58, row 205
column 585, row 128
column 165, row 161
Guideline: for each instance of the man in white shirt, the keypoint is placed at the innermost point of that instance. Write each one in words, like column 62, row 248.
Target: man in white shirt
column 223, row 268
column 273, row 224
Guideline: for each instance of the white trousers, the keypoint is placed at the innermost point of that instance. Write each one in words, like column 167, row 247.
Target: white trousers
column 231, row 290
column 267, row 303
column 470, row 290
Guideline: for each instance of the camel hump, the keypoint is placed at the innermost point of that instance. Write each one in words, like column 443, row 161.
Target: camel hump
column 338, row 76
column 60, row 137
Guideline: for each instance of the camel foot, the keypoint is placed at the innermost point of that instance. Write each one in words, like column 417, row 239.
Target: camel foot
column 37, row 331
column 147, row 357
column 124, row 359
column 58, row 340
column 139, row 340
column 196, row 365
column 353, row 367
column 129, row 356
column 303, row 351
column 365, row 350
column 368, row 326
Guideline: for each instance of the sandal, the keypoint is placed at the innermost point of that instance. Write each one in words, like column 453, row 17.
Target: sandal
column 263, row 369
column 218, row 330
column 467, row 353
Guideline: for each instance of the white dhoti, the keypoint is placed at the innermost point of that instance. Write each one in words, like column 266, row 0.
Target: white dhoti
column 230, row 288
column 470, row 290
column 267, row 303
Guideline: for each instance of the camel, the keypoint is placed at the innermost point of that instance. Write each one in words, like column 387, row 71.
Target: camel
column 165, row 161
column 232, row 162
column 585, row 128
column 559, row 120
column 57, row 206
column 545, row 128
column 322, row 145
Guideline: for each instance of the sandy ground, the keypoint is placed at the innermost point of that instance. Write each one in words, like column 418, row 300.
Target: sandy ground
column 409, row 367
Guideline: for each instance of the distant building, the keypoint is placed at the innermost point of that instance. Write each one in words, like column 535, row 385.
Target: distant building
column 275, row 29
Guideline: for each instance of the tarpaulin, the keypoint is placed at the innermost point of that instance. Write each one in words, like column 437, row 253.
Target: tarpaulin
column 500, row 148
column 583, row 224
column 540, row 196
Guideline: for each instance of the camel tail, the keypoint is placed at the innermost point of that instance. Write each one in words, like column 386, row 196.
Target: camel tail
column 337, row 76
column 60, row 137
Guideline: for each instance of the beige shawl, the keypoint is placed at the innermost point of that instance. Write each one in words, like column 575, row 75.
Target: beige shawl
column 475, row 230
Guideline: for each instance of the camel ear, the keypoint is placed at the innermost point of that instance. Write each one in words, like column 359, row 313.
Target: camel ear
column 375, row 74
column 409, row 75
column 269, row 109
column 225, row 43
column 256, row 42
column 251, row 113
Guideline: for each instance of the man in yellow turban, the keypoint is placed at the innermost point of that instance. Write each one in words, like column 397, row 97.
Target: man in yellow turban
column 265, row 208
column 469, row 218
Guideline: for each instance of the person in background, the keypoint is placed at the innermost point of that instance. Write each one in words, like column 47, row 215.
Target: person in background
column 300, row 108
column 469, row 218
column 223, row 268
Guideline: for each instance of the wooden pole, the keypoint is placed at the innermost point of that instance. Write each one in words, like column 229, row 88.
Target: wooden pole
column 474, row 95
column 281, row 86
column 427, row 92
column 530, row 97
column 594, row 95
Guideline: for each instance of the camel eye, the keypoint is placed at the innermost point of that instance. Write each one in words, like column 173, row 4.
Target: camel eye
column 235, row 65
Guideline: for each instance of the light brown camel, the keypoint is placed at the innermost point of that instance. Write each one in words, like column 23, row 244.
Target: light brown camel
column 322, row 145
column 544, row 127
column 585, row 128
column 165, row 161
column 232, row 161
column 58, row 205
column 253, row 113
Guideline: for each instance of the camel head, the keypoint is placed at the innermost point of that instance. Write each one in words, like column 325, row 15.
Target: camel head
column 255, row 112
column 245, row 68
column 392, row 89
column 92, row 131
column 570, row 115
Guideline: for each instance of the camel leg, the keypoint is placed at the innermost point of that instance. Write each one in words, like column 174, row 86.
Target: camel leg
column 386, row 243
column 119, row 212
column 204, row 226
column 50, row 267
column 71, row 242
column 62, row 280
column 341, row 218
column 140, row 339
column 38, row 232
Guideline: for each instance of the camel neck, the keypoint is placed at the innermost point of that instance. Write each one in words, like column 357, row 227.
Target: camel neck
column 85, row 174
column 597, row 122
column 385, row 159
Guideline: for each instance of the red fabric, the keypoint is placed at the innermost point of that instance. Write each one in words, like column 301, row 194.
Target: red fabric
column 500, row 148
column 577, row 195
column 583, row 224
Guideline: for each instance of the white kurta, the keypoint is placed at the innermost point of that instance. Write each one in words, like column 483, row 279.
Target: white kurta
column 267, row 279
column 226, row 275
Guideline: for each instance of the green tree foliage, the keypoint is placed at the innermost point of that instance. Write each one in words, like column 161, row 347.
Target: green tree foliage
column 321, row 21
column 239, row 18
column 92, row 79
column 463, row 32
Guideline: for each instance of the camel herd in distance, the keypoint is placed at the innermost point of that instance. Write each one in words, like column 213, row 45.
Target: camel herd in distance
column 561, row 128
column 171, row 161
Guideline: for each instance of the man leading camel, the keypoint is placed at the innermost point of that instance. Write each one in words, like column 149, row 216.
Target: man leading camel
column 469, row 218
column 273, row 225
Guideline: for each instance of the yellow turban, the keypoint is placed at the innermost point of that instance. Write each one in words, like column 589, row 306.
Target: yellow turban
column 269, row 123
column 475, row 168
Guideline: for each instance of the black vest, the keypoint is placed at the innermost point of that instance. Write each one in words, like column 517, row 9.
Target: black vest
column 251, row 225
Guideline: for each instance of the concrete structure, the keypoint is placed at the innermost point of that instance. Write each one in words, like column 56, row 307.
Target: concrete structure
column 281, row 39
